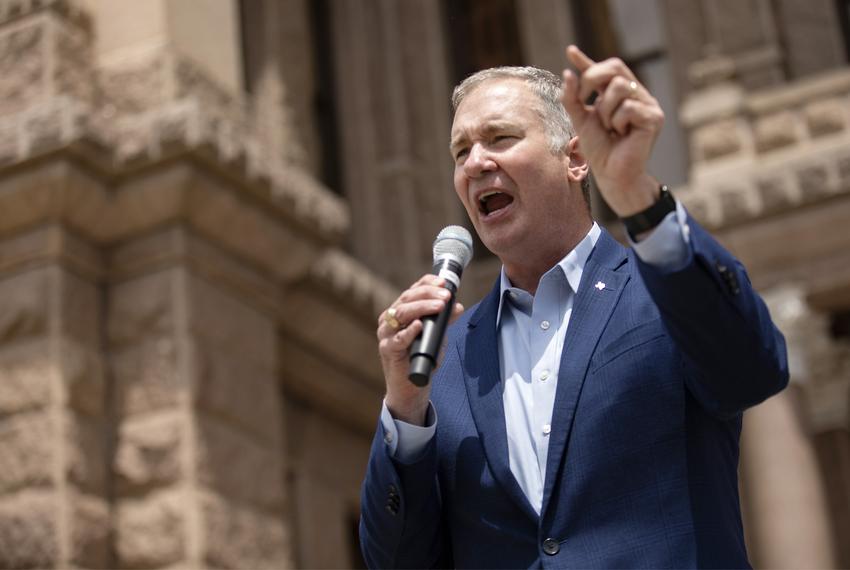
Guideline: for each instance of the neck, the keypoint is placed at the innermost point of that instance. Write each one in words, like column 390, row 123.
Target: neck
column 525, row 272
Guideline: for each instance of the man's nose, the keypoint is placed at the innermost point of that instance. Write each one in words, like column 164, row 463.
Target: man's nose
column 478, row 162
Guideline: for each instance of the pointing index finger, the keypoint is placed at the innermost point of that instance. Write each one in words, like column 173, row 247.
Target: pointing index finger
column 578, row 58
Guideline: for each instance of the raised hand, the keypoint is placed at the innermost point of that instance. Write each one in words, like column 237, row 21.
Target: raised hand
column 617, row 130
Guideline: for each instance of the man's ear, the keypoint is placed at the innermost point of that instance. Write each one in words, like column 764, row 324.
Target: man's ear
column 578, row 168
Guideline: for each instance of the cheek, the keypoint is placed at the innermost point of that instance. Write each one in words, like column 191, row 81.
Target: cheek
column 461, row 188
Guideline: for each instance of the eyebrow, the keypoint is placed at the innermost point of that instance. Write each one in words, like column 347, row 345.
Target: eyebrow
column 490, row 127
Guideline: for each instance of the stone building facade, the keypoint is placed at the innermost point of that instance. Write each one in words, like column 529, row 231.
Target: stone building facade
column 204, row 204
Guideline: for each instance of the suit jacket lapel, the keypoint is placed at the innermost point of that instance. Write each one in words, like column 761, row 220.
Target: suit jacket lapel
column 598, row 293
column 479, row 356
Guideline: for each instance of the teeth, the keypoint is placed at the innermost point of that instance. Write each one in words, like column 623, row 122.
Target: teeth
column 487, row 195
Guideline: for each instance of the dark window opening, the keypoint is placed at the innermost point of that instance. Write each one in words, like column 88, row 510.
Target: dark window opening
column 839, row 325
column 842, row 9
column 250, row 20
column 324, row 107
column 481, row 35
column 594, row 33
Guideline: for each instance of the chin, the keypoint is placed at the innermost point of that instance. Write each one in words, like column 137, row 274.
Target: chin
column 498, row 245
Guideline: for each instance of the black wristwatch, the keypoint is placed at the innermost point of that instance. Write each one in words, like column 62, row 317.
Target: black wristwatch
column 646, row 220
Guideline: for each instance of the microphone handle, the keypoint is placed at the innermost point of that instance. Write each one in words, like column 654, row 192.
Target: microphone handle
column 426, row 348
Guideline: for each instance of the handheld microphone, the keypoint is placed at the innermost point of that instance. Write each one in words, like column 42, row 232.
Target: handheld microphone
column 452, row 253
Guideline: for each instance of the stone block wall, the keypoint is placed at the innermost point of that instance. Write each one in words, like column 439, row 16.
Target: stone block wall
column 152, row 252
column 198, row 469
column 53, row 415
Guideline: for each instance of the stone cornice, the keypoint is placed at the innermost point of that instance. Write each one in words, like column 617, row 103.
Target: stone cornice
column 328, row 341
column 185, row 127
column 68, row 9
column 798, row 93
column 744, row 126
column 336, row 308
column 765, row 153
column 347, row 278
column 119, row 150
column 134, row 113
column 752, row 190
column 50, row 244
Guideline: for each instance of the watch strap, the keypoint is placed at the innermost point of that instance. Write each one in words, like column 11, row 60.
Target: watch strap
column 652, row 216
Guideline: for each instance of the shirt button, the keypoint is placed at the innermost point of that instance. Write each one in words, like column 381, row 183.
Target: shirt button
column 544, row 325
column 546, row 429
column 544, row 375
column 388, row 437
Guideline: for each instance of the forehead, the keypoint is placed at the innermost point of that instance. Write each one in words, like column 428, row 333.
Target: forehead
column 496, row 100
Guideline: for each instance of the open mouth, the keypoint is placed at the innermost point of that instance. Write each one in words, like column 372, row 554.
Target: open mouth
column 493, row 201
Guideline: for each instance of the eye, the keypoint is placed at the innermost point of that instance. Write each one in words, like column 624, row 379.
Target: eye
column 461, row 153
column 502, row 138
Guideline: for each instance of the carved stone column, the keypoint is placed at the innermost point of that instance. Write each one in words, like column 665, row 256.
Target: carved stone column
column 546, row 29
column 791, row 500
column 393, row 91
column 811, row 35
column 744, row 31
column 786, row 517
column 825, row 405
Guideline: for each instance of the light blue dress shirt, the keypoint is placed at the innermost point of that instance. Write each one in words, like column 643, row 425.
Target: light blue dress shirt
column 532, row 329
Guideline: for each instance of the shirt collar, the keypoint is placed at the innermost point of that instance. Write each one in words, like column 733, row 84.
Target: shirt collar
column 572, row 266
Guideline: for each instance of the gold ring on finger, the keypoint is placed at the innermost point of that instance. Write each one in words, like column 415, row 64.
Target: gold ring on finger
column 633, row 89
column 392, row 318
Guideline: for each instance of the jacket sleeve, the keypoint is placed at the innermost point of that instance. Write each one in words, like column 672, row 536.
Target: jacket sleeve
column 735, row 355
column 400, row 522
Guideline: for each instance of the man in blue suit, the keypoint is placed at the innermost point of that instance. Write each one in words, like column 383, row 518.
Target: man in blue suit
column 587, row 411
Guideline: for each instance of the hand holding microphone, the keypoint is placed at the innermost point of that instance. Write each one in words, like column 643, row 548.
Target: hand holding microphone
column 452, row 253
column 410, row 332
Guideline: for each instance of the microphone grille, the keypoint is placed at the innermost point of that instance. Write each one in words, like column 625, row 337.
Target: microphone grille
column 455, row 241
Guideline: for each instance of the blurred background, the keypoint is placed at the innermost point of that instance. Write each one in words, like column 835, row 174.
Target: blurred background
column 205, row 204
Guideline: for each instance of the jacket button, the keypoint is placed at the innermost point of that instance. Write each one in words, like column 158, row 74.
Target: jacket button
column 729, row 278
column 551, row 546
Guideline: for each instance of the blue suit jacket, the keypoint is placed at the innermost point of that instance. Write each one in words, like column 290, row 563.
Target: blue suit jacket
column 656, row 371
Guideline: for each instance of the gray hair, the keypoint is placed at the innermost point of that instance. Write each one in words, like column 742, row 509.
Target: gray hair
column 547, row 86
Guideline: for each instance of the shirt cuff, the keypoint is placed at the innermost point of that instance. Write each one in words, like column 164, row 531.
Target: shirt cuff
column 405, row 441
column 667, row 246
